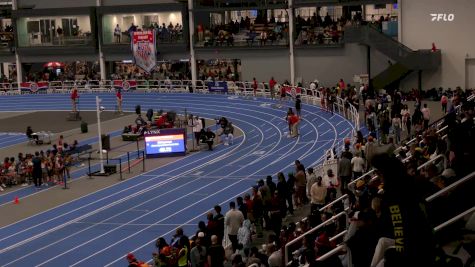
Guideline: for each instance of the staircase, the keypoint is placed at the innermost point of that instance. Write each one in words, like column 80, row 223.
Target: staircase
column 407, row 60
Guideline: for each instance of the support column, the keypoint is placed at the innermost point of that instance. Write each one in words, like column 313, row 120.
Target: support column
column 6, row 73
column 19, row 69
column 102, row 62
column 399, row 21
column 191, row 26
column 368, row 67
column 290, row 12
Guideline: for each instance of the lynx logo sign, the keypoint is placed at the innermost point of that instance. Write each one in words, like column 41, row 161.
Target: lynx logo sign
column 442, row 17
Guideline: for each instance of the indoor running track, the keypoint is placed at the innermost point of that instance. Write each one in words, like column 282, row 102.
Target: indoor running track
column 99, row 229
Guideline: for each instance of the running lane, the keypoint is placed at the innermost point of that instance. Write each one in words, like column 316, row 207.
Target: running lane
column 100, row 228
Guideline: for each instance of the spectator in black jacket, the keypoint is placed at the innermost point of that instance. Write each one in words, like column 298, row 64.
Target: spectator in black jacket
column 405, row 214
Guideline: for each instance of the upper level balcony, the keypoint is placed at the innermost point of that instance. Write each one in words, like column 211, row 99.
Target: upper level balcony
column 238, row 4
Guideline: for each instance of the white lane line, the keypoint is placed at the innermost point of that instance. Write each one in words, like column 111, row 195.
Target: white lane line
column 118, row 214
column 193, row 219
column 137, row 224
column 340, row 123
column 215, row 170
column 111, row 204
column 163, row 219
column 106, row 248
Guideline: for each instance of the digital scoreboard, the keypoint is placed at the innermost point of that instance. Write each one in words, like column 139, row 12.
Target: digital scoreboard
column 165, row 142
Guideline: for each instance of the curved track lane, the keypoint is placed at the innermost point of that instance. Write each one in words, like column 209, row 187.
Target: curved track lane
column 100, row 228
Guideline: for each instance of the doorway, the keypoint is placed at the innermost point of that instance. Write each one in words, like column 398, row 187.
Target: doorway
column 47, row 29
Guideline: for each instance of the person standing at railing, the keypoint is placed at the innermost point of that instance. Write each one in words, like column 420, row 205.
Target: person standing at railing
column 119, row 99
column 426, row 115
column 283, row 93
column 396, row 125
column 272, row 84
column 254, row 87
column 117, row 33
column 59, row 31
column 318, row 194
column 233, row 221
column 443, row 101
column 344, row 170
column 74, row 98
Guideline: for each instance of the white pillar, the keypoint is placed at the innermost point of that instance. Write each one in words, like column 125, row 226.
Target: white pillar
column 19, row 70
column 102, row 63
column 99, row 132
column 191, row 26
column 6, row 73
column 291, row 42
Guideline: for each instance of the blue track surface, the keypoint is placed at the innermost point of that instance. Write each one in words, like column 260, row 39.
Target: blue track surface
column 10, row 139
column 101, row 228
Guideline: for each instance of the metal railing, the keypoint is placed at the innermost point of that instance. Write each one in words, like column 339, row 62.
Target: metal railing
column 450, row 187
column 323, row 224
column 433, row 160
column 361, row 177
column 239, row 88
column 333, row 202
column 454, row 219
column 332, row 252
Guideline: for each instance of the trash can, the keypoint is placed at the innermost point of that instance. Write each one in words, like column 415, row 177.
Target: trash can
column 83, row 127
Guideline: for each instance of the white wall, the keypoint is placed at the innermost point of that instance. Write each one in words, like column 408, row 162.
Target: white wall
column 262, row 64
column 470, row 72
column 328, row 65
column 456, row 39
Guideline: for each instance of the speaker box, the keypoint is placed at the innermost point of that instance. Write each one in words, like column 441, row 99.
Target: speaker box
column 110, row 168
column 106, row 141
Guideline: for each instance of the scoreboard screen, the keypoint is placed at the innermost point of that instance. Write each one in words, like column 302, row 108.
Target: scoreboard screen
column 165, row 142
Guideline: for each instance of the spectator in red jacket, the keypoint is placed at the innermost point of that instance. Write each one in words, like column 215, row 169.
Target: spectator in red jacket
column 272, row 84
column 294, row 124
column 74, row 97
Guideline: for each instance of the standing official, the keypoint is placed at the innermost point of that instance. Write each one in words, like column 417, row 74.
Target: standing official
column 74, row 98
column 119, row 101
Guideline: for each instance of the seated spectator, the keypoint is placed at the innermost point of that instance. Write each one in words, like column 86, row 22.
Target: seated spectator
column 29, row 132
column 227, row 135
column 208, row 137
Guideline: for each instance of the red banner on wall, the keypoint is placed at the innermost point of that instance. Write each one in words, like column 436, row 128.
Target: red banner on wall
column 144, row 49
column 293, row 91
column 34, row 87
column 125, row 84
